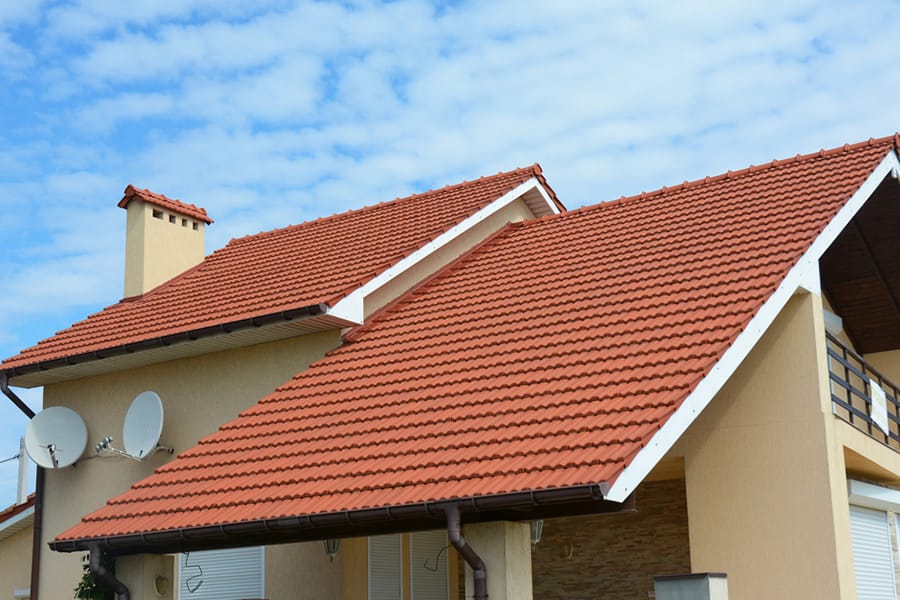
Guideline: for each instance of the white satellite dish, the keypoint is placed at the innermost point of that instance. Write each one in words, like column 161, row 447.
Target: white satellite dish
column 55, row 438
column 143, row 425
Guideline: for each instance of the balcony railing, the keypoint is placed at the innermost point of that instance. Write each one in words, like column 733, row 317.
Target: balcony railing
column 852, row 393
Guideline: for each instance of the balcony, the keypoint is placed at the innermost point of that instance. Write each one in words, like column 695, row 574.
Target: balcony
column 856, row 395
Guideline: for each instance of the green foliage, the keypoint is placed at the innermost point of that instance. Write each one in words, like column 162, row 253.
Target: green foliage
column 91, row 589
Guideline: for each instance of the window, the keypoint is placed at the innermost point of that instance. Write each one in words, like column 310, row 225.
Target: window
column 872, row 555
column 411, row 566
column 221, row 574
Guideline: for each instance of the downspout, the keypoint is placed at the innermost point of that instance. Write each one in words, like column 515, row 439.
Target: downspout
column 479, row 571
column 104, row 576
column 34, row 585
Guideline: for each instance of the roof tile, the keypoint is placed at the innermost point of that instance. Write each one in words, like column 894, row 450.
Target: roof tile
column 315, row 262
column 547, row 357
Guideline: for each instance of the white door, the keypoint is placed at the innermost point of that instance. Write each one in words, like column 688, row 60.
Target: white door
column 872, row 556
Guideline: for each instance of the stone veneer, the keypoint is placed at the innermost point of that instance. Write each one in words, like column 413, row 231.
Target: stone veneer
column 615, row 556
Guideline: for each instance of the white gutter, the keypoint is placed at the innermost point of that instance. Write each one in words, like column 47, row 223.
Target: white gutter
column 805, row 275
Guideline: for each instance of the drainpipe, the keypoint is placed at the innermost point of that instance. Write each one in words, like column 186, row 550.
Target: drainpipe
column 38, row 496
column 479, row 571
column 104, row 576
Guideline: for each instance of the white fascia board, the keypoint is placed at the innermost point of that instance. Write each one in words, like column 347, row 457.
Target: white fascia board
column 16, row 523
column 351, row 307
column 873, row 496
column 800, row 276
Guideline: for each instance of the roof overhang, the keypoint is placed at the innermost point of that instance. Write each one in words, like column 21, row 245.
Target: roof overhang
column 803, row 276
column 569, row 501
column 225, row 336
column 861, row 273
column 16, row 523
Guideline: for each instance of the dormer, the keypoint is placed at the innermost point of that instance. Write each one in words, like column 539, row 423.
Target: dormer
column 164, row 237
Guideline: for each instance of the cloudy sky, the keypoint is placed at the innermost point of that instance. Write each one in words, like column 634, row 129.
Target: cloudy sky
column 288, row 110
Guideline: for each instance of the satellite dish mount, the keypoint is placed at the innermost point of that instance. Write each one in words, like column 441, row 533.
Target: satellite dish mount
column 143, row 426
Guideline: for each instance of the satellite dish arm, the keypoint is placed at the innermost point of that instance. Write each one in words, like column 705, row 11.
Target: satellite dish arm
column 102, row 573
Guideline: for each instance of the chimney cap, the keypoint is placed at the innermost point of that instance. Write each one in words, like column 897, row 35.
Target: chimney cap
column 176, row 206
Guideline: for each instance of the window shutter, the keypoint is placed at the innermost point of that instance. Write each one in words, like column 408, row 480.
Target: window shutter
column 385, row 567
column 232, row 574
column 872, row 557
column 428, row 565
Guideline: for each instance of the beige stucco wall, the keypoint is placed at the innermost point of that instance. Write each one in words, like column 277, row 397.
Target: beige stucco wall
column 15, row 563
column 198, row 395
column 157, row 250
column 302, row 572
column 513, row 212
column 765, row 480
column 887, row 363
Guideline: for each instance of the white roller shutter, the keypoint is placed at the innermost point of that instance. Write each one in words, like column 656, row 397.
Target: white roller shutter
column 428, row 565
column 234, row 574
column 385, row 567
column 872, row 557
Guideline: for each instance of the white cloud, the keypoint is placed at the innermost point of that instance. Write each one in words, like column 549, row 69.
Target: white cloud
column 273, row 113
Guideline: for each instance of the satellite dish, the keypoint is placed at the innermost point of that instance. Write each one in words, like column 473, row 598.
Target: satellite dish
column 55, row 438
column 143, row 425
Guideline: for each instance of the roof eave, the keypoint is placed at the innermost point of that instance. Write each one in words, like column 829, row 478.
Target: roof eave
column 315, row 317
column 584, row 499
column 17, row 523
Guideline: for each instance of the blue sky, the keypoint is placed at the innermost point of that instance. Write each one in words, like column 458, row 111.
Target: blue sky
column 274, row 112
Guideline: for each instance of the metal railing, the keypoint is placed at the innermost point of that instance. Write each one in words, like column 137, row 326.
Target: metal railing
column 852, row 381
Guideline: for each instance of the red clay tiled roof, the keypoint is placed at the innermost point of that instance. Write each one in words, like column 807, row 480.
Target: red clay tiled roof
column 302, row 265
column 177, row 206
column 547, row 357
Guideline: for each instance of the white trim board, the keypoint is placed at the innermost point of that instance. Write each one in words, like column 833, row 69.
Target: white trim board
column 869, row 495
column 17, row 523
column 351, row 307
column 803, row 275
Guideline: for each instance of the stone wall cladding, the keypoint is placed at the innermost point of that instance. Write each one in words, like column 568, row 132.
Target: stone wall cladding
column 615, row 556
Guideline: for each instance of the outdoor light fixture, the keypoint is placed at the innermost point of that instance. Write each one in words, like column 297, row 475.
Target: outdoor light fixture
column 537, row 527
column 332, row 546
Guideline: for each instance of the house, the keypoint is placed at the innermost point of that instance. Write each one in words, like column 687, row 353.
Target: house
column 16, row 531
column 696, row 379
column 213, row 337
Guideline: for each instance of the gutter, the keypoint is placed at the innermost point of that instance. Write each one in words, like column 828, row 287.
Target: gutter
column 516, row 506
column 100, row 572
column 168, row 340
column 479, row 571
column 38, row 525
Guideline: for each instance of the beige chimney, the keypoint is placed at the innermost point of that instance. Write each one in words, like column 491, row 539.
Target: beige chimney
column 164, row 237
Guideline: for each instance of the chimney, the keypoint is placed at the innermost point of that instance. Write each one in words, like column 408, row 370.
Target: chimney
column 164, row 237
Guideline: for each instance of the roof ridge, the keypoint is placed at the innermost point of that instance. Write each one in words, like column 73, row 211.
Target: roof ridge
column 821, row 153
column 398, row 199
column 609, row 204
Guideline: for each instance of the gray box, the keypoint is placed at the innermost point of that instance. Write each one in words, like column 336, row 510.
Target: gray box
column 691, row 586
